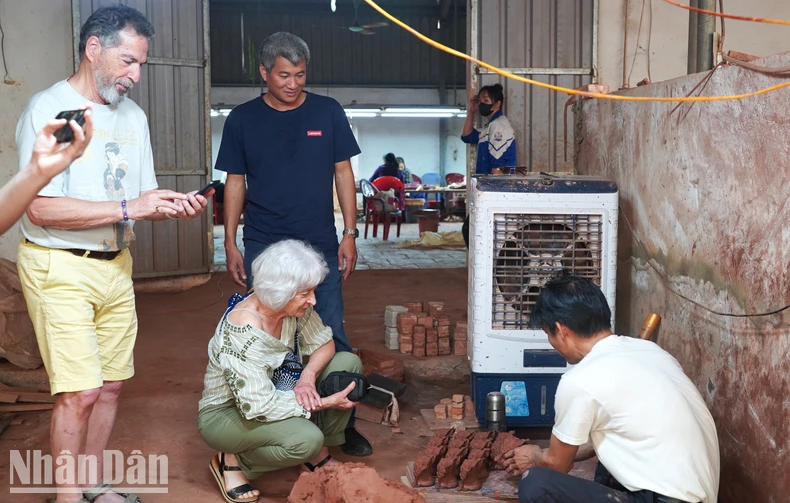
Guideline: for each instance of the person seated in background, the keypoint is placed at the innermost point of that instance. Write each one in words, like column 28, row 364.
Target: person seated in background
column 48, row 160
column 260, row 407
column 389, row 168
column 404, row 170
column 627, row 401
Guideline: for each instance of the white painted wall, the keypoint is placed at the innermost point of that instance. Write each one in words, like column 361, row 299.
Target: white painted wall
column 668, row 48
column 416, row 140
column 38, row 53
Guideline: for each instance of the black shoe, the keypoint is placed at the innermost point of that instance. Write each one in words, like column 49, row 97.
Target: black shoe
column 356, row 444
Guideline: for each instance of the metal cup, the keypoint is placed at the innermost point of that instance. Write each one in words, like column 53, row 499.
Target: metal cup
column 495, row 412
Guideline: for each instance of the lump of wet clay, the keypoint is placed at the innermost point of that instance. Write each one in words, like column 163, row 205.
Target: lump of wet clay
column 485, row 456
column 440, row 438
column 459, row 452
column 350, row 483
column 447, row 471
column 471, row 474
column 485, row 435
column 481, row 443
column 425, row 466
column 505, row 442
column 462, row 439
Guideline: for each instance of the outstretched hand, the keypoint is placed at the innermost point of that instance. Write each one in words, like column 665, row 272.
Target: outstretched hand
column 52, row 158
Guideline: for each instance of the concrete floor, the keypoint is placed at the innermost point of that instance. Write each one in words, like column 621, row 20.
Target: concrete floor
column 158, row 410
column 375, row 253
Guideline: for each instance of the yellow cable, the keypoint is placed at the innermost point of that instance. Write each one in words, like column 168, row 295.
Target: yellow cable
column 729, row 16
column 567, row 90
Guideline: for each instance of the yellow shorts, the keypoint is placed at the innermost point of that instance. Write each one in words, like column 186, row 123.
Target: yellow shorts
column 83, row 312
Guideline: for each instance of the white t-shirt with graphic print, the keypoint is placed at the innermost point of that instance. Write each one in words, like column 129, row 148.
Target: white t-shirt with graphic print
column 118, row 164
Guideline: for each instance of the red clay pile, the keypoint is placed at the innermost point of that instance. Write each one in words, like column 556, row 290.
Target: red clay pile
column 462, row 458
column 424, row 330
column 350, row 483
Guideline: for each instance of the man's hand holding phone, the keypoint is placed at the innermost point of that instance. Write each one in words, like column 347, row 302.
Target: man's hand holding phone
column 197, row 200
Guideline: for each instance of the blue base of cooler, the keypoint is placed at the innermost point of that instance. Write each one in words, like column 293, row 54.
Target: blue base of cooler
column 536, row 410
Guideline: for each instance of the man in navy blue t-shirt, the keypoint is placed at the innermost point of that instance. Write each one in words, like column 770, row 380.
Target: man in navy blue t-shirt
column 291, row 146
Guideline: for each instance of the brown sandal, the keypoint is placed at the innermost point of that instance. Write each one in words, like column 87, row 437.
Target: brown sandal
column 218, row 468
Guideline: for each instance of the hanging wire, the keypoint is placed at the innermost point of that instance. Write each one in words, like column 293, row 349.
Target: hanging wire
column 636, row 45
column 729, row 16
column 575, row 92
column 665, row 281
column 6, row 78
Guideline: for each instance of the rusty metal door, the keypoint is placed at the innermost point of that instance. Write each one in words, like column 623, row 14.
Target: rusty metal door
column 174, row 91
column 549, row 41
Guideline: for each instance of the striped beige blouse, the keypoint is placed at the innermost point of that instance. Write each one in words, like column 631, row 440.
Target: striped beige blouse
column 243, row 358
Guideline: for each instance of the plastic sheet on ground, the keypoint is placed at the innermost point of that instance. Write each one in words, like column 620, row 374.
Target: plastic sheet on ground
column 453, row 240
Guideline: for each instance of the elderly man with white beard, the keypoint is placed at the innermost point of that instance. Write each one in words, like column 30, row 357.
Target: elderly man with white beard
column 74, row 262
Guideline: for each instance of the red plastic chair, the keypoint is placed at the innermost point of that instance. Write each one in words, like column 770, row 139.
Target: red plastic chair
column 456, row 203
column 415, row 179
column 375, row 209
column 454, row 178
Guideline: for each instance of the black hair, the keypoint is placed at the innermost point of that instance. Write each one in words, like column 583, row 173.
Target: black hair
column 495, row 92
column 107, row 23
column 390, row 160
column 572, row 301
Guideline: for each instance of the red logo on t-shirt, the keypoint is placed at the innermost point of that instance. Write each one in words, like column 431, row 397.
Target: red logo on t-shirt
column 315, row 133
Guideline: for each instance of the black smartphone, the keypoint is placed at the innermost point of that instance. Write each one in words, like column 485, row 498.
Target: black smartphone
column 212, row 185
column 66, row 134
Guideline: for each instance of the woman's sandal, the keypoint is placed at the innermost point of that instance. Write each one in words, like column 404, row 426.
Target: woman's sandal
column 218, row 468
column 321, row 463
column 95, row 492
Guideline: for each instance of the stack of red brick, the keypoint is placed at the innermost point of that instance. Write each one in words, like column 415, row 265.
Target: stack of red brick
column 456, row 408
column 426, row 332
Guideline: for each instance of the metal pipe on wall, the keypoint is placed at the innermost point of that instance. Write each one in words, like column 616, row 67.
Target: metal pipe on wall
column 443, row 127
column 706, row 26
column 473, row 79
column 596, row 14
column 625, row 43
column 692, row 42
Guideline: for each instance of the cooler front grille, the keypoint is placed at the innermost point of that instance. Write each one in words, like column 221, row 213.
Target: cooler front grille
column 530, row 249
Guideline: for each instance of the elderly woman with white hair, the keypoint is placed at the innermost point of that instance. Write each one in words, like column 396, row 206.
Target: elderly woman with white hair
column 260, row 408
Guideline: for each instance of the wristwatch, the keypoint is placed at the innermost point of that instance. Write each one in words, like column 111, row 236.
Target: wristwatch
column 352, row 232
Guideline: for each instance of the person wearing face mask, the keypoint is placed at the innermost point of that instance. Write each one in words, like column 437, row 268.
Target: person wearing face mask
column 496, row 141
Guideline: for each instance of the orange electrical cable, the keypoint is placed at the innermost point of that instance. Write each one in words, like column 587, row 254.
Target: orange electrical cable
column 566, row 90
column 728, row 16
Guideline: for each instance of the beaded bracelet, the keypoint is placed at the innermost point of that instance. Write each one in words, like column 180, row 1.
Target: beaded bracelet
column 123, row 208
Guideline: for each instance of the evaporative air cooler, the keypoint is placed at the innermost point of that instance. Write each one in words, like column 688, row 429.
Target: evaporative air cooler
column 523, row 232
